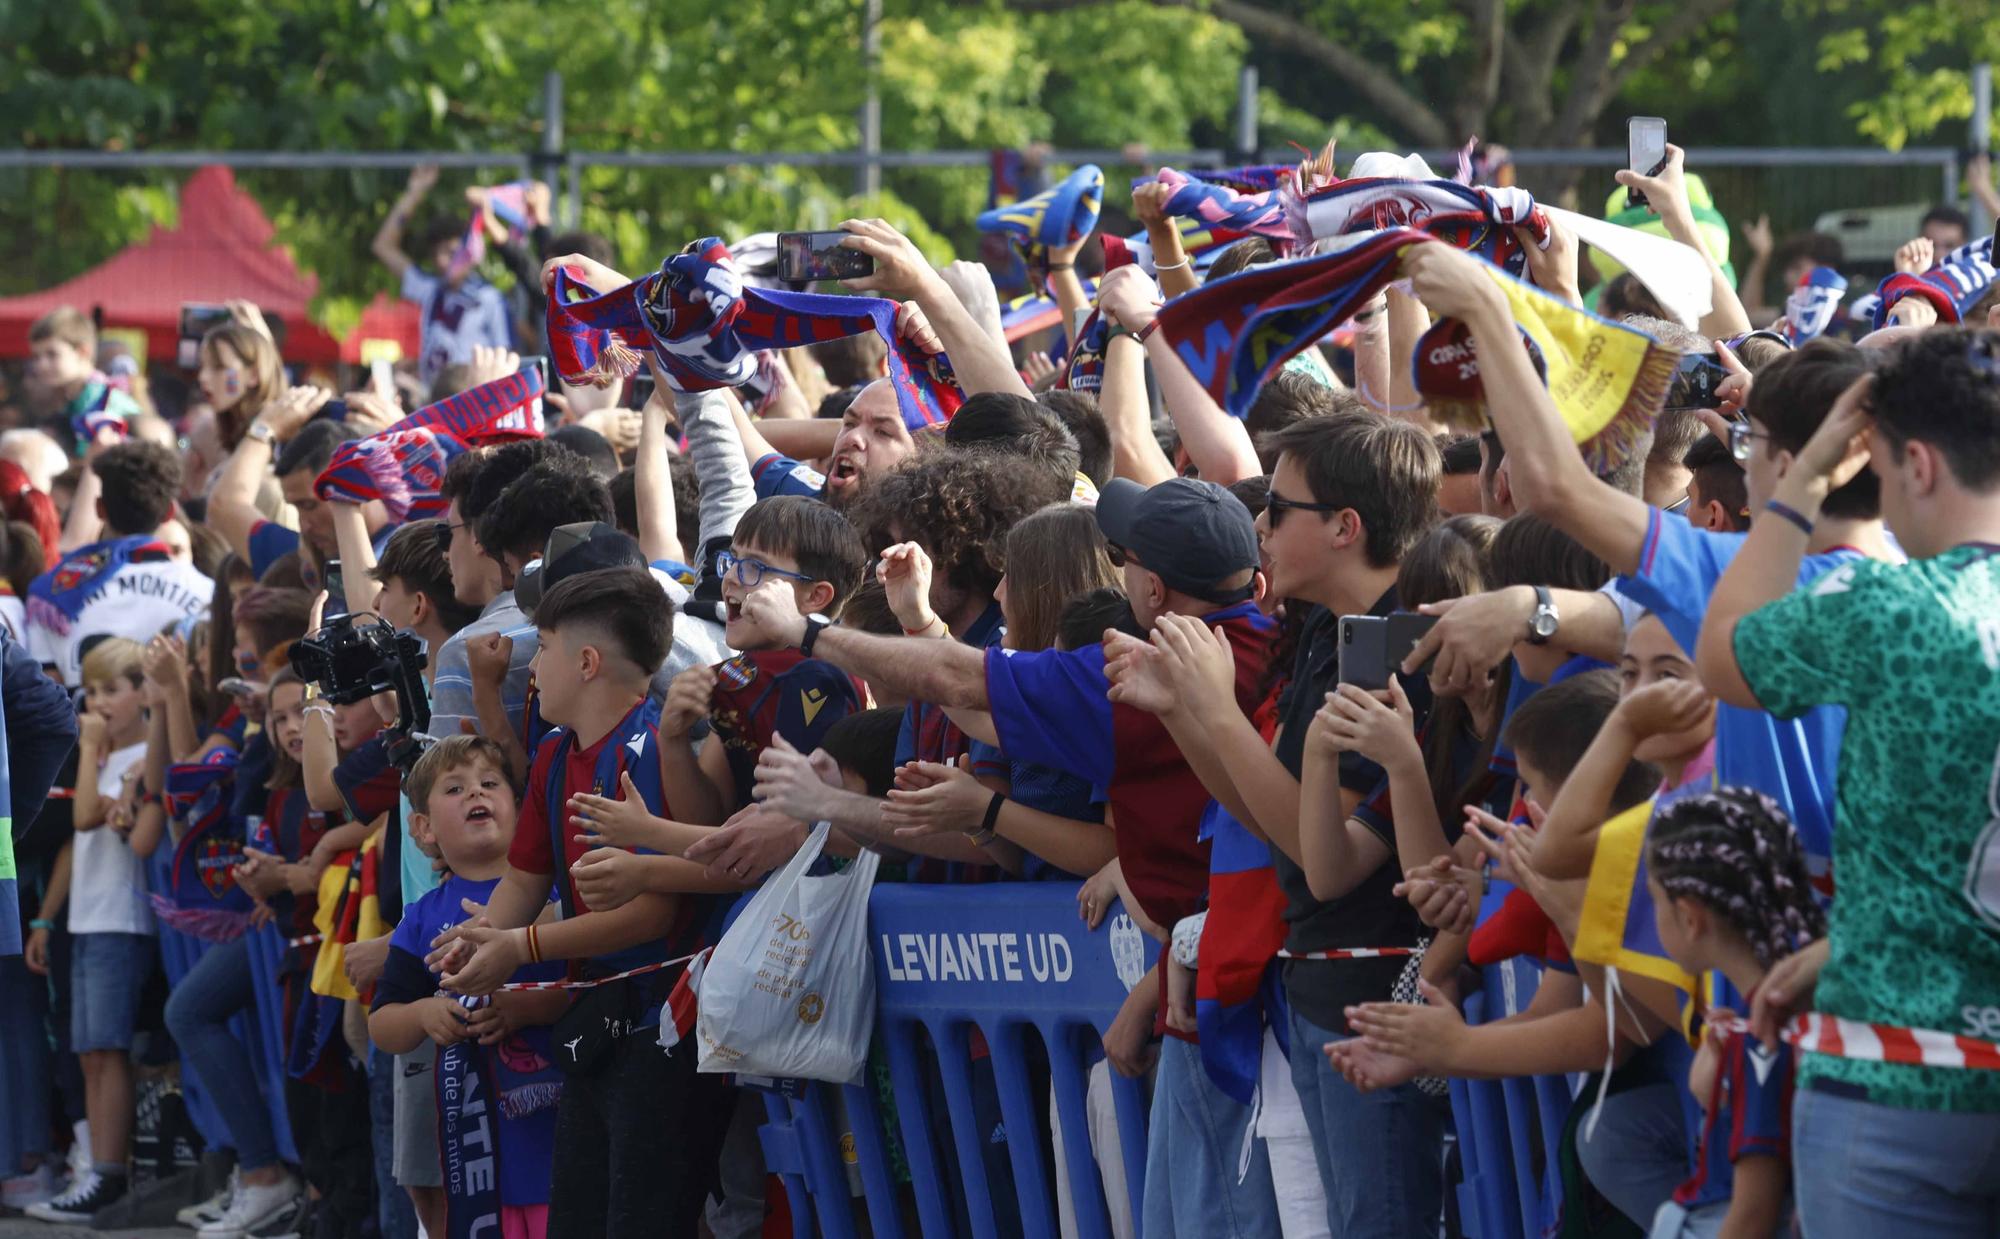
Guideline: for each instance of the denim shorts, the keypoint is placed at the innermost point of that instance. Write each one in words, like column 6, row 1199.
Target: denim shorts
column 108, row 974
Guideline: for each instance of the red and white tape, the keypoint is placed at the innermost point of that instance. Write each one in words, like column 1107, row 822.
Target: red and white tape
column 1359, row 952
column 593, row 983
column 1818, row 1033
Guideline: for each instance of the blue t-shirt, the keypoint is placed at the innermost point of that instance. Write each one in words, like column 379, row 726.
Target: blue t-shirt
column 778, row 474
column 928, row 734
column 527, row 1120
column 1791, row 760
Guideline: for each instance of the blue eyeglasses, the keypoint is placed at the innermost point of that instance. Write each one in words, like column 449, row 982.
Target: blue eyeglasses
column 750, row 573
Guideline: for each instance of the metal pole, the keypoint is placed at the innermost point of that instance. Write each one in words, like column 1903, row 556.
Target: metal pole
column 868, row 181
column 1246, row 113
column 1982, row 133
column 549, row 156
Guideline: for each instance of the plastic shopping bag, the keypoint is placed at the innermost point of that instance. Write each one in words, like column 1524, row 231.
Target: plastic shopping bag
column 790, row 989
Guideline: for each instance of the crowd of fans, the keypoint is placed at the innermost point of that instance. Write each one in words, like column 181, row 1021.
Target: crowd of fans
column 1705, row 726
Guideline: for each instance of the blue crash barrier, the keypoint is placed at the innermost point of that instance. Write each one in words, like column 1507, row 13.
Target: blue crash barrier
column 1013, row 968
column 259, row 1030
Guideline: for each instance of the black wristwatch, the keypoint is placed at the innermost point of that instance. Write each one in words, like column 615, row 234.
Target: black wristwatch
column 814, row 626
column 1543, row 623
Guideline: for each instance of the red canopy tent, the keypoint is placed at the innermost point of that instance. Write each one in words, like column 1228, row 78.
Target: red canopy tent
column 385, row 319
column 223, row 249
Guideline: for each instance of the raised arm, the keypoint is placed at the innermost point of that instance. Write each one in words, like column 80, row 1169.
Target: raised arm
column 948, row 673
column 1170, row 259
column 659, row 534
column 1217, row 443
column 1128, row 416
column 719, row 463
column 979, row 362
column 388, row 243
column 232, row 504
column 357, row 558
column 1667, row 195
column 1548, row 474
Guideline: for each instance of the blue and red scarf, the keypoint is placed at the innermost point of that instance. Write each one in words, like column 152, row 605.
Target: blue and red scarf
column 202, row 898
column 505, row 205
column 404, row 465
column 1951, row 287
column 1062, row 214
column 1222, row 207
column 1477, row 219
column 101, row 406
column 704, row 329
column 57, row 597
column 1238, row 990
column 479, row 1088
column 1811, row 307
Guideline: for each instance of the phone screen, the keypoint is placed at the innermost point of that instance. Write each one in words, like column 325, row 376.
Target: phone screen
column 1695, row 382
column 1645, row 150
column 336, row 591
column 806, row 256
column 197, row 320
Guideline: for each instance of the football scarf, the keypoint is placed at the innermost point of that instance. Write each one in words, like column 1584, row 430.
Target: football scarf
column 1220, row 206
column 1233, row 334
column 1476, row 219
column 704, row 328
column 1085, row 371
column 1951, row 287
column 98, row 407
column 1810, row 308
column 56, row 598
column 1238, row 988
column 1062, row 214
column 504, row 205
column 1608, row 380
column 479, row 1089
column 202, row 899
column 404, row 465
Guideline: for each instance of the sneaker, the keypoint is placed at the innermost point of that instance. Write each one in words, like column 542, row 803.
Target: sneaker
column 79, row 1151
column 254, row 1206
column 82, row 1201
column 196, row 1216
column 292, row 1222
column 33, row 1188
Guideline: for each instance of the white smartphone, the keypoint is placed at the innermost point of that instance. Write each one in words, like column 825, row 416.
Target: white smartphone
column 1645, row 149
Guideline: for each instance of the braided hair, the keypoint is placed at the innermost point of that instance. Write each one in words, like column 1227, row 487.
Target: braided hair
column 1735, row 851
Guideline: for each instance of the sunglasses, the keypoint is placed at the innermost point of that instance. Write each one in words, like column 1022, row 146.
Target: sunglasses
column 1277, row 505
column 1740, row 436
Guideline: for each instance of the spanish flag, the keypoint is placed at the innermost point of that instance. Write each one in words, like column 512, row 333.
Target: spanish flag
column 350, row 910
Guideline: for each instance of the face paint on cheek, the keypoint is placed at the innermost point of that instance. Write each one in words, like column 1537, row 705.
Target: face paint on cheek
column 246, row 663
column 232, row 383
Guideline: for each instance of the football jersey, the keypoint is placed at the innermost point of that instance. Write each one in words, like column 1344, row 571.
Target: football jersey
column 125, row 587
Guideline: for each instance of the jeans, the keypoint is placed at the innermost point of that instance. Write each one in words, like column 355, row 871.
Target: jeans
column 1864, row 1169
column 395, row 1216
column 1637, row 1152
column 108, row 977
column 24, row 1065
column 1197, row 1182
column 198, row 1014
column 1381, row 1154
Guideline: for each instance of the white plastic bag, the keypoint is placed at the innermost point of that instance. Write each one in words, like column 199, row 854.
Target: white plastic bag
column 790, row 989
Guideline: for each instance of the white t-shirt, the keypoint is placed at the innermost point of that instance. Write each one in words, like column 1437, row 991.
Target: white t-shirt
column 133, row 599
column 14, row 616
column 107, row 893
column 455, row 319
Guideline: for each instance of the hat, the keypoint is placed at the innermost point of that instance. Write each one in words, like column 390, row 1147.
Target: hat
column 585, row 546
column 1193, row 535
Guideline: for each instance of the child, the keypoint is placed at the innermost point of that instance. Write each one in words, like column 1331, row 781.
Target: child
column 461, row 801
column 619, row 1170
column 1731, row 894
column 63, row 348
column 113, row 950
column 762, row 693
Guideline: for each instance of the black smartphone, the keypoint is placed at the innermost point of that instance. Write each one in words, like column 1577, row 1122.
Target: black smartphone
column 1645, row 151
column 1373, row 647
column 336, row 591
column 198, row 318
column 539, row 363
column 1695, row 382
column 807, row 256
column 641, row 386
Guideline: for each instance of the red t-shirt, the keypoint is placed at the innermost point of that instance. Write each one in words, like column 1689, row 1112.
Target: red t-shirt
column 533, row 850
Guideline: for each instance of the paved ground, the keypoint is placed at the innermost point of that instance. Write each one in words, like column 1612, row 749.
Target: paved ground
column 17, row 1227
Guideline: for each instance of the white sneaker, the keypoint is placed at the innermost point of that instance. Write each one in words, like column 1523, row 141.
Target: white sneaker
column 253, row 1206
column 32, row 1188
column 196, row 1216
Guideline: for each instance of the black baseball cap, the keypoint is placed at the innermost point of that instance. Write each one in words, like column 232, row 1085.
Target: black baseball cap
column 1194, row 535
column 584, row 546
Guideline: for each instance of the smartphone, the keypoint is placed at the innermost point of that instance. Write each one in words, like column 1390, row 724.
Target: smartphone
column 1373, row 647
column 539, row 363
column 1695, row 382
column 641, row 385
column 1646, row 151
column 237, row 686
column 807, row 256
column 198, row 318
column 336, row 591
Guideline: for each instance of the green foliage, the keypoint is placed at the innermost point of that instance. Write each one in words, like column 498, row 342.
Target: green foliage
column 1918, row 54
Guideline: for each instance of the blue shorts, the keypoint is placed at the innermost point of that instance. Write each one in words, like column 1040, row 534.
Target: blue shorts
column 108, row 973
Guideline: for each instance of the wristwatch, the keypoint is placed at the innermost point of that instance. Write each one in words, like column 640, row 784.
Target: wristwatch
column 1543, row 623
column 262, row 432
column 815, row 625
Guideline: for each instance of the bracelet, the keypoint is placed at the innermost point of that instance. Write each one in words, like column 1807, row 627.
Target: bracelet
column 1791, row 514
column 1141, row 334
column 42, row 923
column 935, row 623
column 1171, row 266
column 986, row 834
column 534, row 944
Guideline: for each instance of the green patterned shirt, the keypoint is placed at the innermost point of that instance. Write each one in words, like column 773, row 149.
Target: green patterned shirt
column 1913, row 652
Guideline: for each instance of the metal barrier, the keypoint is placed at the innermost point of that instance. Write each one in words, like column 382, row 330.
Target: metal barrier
column 957, row 969
column 260, row 1029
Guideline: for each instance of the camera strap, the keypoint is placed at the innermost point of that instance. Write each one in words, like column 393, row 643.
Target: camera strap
column 632, row 747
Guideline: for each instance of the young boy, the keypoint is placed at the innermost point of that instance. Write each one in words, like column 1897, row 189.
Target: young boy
column 63, row 353
column 619, row 1170
column 463, row 805
column 763, row 692
column 113, row 951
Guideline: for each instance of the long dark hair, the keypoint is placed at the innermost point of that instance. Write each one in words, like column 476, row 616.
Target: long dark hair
column 1451, row 561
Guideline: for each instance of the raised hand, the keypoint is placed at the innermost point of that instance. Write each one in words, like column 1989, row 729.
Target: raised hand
column 1665, row 708
column 901, row 271
column 749, row 845
column 932, row 798
column 607, row 878
column 688, row 702
column 905, row 573
column 602, row 822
